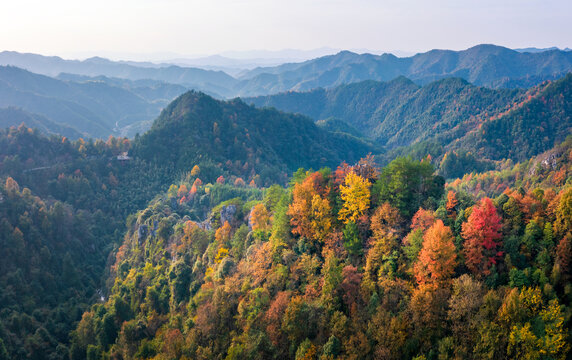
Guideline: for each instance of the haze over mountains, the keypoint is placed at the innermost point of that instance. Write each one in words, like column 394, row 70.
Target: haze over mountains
column 93, row 108
column 487, row 65
column 98, row 97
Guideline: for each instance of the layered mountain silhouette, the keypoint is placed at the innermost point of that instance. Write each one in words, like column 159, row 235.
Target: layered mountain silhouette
column 485, row 65
column 195, row 78
column 94, row 108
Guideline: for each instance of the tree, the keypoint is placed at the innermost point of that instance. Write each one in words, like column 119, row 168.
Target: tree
column 195, row 171
column 386, row 229
column 355, row 194
column 259, row 218
column 198, row 183
column 182, row 190
column 481, row 232
column 464, row 304
column 428, row 307
column 564, row 257
column 351, row 287
column 437, row 259
column 274, row 316
column 301, row 320
column 310, row 210
column 352, row 241
column 407, row 185
column 321, row 220
column 451, row 205
column 11, row 185
column 563, row 222
column 222, row 235
column 280, row 233
column 332, row 275
column 386, row 226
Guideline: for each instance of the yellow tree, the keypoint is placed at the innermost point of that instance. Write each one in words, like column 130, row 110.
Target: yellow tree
column 321, row 221
column 11, row 185
column 355, row 194
column 385, row 228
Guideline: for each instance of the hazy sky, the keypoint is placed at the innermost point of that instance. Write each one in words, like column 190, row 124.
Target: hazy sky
column 153, row 28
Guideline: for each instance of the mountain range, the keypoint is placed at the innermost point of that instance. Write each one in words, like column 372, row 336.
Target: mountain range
column 485, row 65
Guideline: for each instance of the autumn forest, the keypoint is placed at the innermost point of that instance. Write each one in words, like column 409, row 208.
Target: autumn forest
column 382, row 219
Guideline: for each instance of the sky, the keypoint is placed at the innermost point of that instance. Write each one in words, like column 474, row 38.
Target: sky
column 161, row 29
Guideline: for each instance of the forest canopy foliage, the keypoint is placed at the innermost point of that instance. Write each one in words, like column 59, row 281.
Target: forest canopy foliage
column 336, row 266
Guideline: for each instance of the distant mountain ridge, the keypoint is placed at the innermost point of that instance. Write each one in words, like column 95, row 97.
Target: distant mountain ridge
column 483, row 65
column 191, row 77
column 535, row 49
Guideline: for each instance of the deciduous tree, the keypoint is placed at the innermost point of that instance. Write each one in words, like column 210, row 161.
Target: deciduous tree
column 481, row 233
column 437, row 259
column 355, row 194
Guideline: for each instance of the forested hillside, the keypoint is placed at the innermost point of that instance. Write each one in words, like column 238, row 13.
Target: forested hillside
column 53, row 256
column 64, row 205
column 62, row 211
column 398, row 113
column 443, row 116
column 354, row 263
column 536, row 125
column 260, row 145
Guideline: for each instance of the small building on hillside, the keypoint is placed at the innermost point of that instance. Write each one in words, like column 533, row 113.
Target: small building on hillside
column 123, row 157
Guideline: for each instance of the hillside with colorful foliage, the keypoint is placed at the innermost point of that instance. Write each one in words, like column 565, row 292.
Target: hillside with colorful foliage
column 354, row 263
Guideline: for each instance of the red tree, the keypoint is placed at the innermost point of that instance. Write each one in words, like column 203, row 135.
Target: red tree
column 481, row 233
